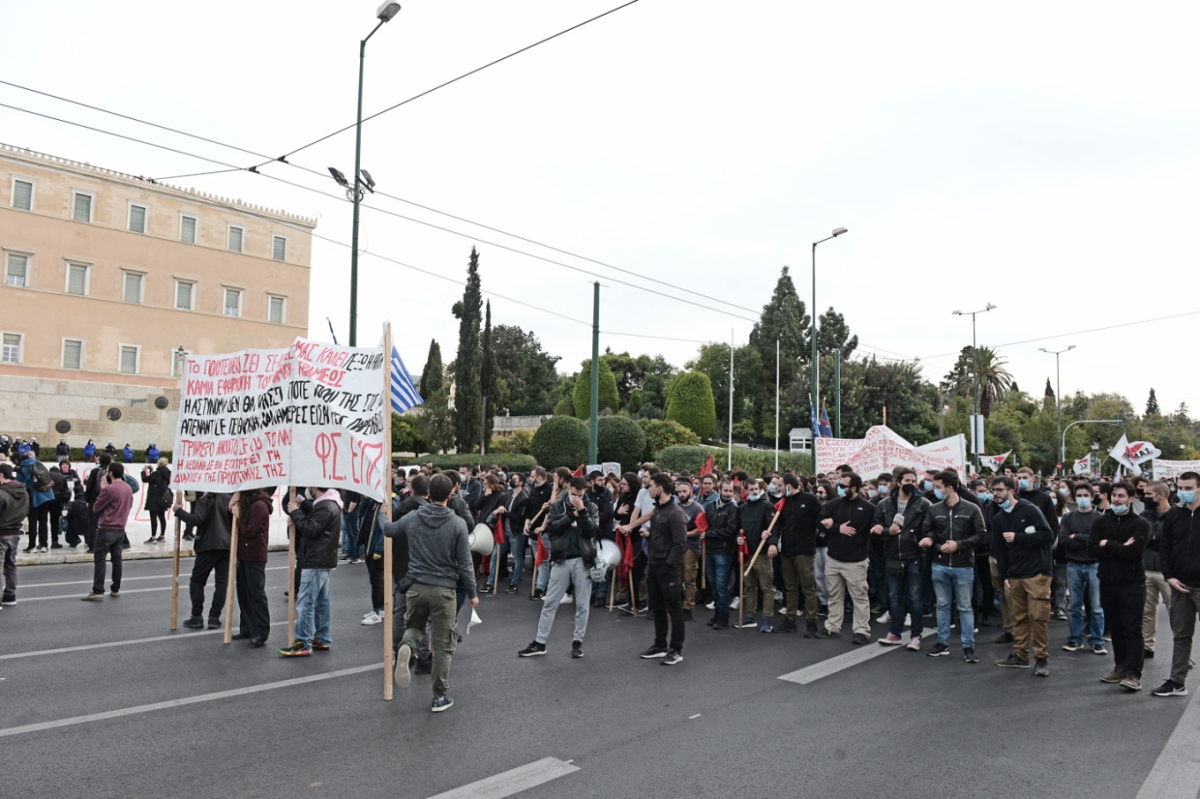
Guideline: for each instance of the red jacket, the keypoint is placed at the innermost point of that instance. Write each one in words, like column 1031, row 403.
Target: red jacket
column 254, row 532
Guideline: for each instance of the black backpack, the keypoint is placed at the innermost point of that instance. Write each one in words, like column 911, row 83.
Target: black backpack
column 40, row 476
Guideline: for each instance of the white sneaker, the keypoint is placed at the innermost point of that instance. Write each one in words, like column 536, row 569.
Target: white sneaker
column 711, row 606
column 886, row 618
column 567, row 599
column 372, row 618
column 369, row 613
column 737, row 600
column 907, row 620
column 43, row 550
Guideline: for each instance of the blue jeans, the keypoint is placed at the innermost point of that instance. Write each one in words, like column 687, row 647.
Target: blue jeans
column 1083, row 583
column 543, row 572
column 717, row 570
column 904, row 591
column 350, row 535
column 516, row 544
column 313, row 608
column 959, row 581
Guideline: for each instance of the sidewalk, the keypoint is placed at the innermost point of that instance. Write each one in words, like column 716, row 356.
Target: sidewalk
column 138, row 532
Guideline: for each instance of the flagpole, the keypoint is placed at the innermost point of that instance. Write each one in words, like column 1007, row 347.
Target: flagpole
column 777, row 405
column 388, row 656
column 729, row 459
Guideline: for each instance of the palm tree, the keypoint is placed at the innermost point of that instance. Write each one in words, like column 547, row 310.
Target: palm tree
column 994, row 379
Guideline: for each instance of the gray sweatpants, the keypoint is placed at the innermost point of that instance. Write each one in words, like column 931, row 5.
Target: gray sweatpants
column 562, row 575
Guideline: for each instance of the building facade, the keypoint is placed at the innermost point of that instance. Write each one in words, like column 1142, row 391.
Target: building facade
column 109, row 278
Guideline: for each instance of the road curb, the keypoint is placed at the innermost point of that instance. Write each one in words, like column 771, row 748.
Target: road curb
column 81, row 555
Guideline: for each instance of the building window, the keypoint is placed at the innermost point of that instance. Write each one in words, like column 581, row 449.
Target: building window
column 233, row 302
column 187, row 229
column 77, row 279
column 11, row 350
column 81, row 207
column 137, row 218
column 16, row 270
column 275, row 310
column 132, row 289
column 184, row 295
column 72, row 354
column 235, row 238
column 129, row 359
column 22, row 194
column 279, row 248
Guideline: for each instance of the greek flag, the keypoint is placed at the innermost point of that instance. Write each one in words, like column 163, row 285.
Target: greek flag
column 404, row 393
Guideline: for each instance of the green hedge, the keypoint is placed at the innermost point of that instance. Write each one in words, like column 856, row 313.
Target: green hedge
column 691, row 403
column 620, row 439
column 76, row 456
column 581, row 395
column 662, row 433
column 503, row 460
column 561, row 441
column 756, row 462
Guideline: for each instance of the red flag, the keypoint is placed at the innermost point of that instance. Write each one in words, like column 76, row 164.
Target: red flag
column 779, row 505
column 702, row 522
column 539, row 554
column 744, row 549
column 499, row 534
column 485, row 563
column 627, row 555
column 578, row 472
column 707, row 467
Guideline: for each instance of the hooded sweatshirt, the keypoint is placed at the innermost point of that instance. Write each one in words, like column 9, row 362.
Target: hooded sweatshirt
column 14, row 507
column 438, row 550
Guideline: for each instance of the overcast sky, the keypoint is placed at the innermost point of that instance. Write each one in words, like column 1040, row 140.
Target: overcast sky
column 1041, row 157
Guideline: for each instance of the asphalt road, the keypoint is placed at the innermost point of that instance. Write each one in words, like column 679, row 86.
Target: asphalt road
column 722, row 724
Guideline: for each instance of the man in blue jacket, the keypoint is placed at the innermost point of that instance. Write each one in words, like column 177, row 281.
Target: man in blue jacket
column 41, row 497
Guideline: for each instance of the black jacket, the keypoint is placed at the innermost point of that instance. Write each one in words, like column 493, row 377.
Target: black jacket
column 212, row 520
column 483, row 506
column 1073, row 534
column 158, row 489
column 1176, row 554
column 903, row 547
column 668, row 536
column 796, row 529
column 722, row 533
column 603, row 501
column 962, row 523
column 400, row 540
column 1150, row 558
column 562, row 517
column 14, row 507
column 1029, row 553
column 1045, row 503
column 1119, row 564
column 538, row 496
column 321, row 530
column 862, row 516
column 753, row 520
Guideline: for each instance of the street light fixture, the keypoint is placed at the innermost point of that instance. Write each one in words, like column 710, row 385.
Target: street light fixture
column 975, row 434
column 1062, row 455
column 816, row 365
column 362, row 178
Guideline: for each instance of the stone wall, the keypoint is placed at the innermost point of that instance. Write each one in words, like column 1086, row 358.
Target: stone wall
column 31, row 406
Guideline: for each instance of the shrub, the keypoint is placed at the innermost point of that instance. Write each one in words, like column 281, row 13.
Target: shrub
column 406, row 437
column 635, row 402
column 620, row 439
column 560, row 441
column 504, row 461
column 662, row 433
column 691, row 403
column 755, row 462
column 581, row 397
column 516, row 444
column 564, row 407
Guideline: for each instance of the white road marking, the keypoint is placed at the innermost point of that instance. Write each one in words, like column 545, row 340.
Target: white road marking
column 694, row 717
column 107, row 597
column 1176, row 773
column 844, row 661
column 24, row 585
column 514, row 781
column 176, row 636
column 187, row 700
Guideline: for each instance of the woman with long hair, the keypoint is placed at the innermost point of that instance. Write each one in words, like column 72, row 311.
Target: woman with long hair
column 254, row 525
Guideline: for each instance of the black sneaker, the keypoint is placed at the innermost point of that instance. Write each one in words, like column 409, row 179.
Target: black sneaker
column 672, row 658
column 822, row 610
column 441, row 703
column 721, row 623
column 653, row 652
column 423, row 666
column 214, row 624
column 969, row 655
column 194, row 623
column 1170, row 688
column 713, row 620
column 539, row 593
column 1148, row 654
column 577, row 649
column 532, row 651
column 938, row 650
column 1013, row 662
column 810, row 629
column 1041, row 668
column 1005, row 638
column 787, row 627
column 687, row 615
column 859, row 639
column 512, row 589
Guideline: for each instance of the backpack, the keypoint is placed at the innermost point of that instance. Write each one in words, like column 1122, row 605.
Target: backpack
column 40, row 476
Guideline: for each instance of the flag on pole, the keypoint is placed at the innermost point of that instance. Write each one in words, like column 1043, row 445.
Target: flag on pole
column 627, row 555
column 826, row 427
column 820, row 424
column 578, row 472
column 707, row 467
column 1083, row 465
column 993, row 462
column 404, row 393
column 498, row 537
column 1132, row 455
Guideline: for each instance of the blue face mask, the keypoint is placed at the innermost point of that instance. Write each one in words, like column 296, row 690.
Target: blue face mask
column 1084, row 503
column 927, row 486
column 1120, row 509
column 939, row 494
column 754, row 497
column 985, row 496
column 1187, row 497
column 788, row 491
column 883, row 491
column 1024, row 485
column 841, row 491
column 1005, row 503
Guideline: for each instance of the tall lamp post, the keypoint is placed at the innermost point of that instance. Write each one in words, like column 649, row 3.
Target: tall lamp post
column 1062, row 455
column 362, row 178
column 975, row 378
column 816, row 364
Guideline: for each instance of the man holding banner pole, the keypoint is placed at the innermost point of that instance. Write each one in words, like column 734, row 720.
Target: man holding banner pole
column 319, row 523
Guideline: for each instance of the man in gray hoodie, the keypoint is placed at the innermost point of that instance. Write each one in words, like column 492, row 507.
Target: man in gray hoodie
column 439, row 557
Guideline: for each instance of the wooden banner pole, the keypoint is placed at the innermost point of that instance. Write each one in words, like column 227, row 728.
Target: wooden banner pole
column 175, row 566
column 612, row 591
column 741, row 586
column 703, row 563
column 233, row 549
column 291, row 592
column 770, row 527
column 388, row 655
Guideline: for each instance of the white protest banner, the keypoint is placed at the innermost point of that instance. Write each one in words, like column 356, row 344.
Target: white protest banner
column 883, row 449
column 1165, row 470
column 313, row 414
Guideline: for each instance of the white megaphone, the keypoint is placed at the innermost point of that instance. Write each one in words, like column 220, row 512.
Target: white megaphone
column 608, row 553
column 481, row 540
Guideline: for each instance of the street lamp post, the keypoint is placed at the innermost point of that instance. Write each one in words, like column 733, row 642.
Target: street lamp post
column 975, row 379
column 384, row 13
column 1062, row 455
column 816, row 364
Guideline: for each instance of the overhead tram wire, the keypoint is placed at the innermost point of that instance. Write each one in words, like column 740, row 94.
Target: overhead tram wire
column 389, row 213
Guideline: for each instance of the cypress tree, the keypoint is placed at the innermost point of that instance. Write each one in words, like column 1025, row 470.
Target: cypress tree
column 488, row 376
column 467, row 366
column 431, row 375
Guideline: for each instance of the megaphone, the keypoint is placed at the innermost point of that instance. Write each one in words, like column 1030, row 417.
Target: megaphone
column 481, row 540
column 608, row 552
